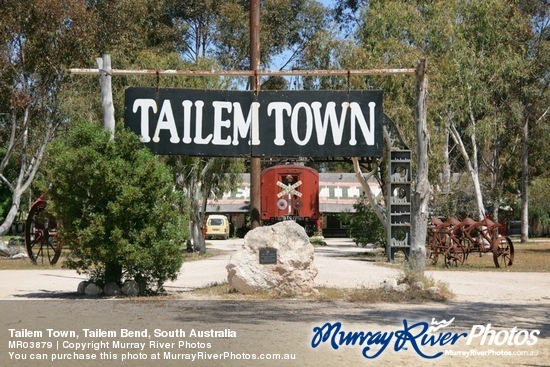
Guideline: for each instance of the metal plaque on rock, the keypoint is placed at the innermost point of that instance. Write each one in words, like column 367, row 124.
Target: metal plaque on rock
column 268, row 255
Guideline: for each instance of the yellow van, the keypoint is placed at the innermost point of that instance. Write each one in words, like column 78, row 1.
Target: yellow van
column 217, row 226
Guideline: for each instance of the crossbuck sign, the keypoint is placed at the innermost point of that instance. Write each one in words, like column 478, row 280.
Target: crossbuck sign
column 289, row 189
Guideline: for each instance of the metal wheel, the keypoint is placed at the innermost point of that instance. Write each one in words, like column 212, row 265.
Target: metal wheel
column 455, row 256
column 41, row 233
column 503, row 252
column 432, row 254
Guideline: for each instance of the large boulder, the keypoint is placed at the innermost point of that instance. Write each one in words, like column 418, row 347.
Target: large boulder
column 82, row 286
column 93, row 290
column 112, row 289
column 294, row 271
column 130, row 288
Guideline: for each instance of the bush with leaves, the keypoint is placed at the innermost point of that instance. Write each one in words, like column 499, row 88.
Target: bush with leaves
column 365, row 227
column 119, row 213
column 539, row 206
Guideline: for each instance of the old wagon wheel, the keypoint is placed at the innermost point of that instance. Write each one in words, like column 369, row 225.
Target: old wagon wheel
column 455, row 256
column 432, row 255
column 503, row 252
column 41, row 233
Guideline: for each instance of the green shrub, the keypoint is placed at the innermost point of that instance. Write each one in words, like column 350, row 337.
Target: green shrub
column 120, row 216
column 539, row 205
column 365, row 227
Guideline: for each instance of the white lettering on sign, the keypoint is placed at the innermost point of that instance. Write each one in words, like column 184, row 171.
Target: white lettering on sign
column 279, row 107
column 330, row 118
column 187, row 106
column 145, row 104
column 229, row 123
column 242, row 126
column 167, row 122
column 219, row 123
column 357, row 114
column 198, row 139
column 308, row 121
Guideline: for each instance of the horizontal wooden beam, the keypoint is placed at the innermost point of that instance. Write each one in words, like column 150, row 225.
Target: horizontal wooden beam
column 246, row 73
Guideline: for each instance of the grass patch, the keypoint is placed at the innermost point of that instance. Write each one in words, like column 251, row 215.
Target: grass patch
column 26, row 264
column 330, row 294
column 7, row 263
column 317, row 241
column 376, row 255
column 196, row 256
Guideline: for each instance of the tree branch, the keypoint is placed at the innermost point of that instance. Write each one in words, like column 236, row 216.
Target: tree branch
column 380, row 213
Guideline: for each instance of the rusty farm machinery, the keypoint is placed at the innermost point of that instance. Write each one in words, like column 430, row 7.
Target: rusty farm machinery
column 454, row 240
column 41, row 234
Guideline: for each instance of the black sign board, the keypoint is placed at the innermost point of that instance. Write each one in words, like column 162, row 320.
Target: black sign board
column 241, row 123
column 268, row 255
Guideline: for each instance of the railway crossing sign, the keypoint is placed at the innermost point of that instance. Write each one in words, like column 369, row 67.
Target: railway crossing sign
column 289, row 189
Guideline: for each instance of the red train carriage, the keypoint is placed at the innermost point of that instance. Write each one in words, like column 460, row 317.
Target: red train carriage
column 291, row 192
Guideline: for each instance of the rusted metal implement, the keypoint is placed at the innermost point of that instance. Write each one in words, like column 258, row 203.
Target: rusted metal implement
column 454, row 240
column 41, row 234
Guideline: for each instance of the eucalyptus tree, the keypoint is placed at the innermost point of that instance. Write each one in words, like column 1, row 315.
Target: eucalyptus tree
column 39, row 39
column 195, row 22
column 203, row 179
column 534, row 106
column 477, row 56
column 285, row 25
column 489, row 62
column 476, row 53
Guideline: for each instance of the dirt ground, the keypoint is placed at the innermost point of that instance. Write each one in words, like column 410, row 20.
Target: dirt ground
column 516, row 305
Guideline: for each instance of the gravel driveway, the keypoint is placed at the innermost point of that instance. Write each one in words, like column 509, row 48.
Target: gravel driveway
column 44, row 299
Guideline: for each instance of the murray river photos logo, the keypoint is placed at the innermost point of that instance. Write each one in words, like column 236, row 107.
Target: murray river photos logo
column 426, row 339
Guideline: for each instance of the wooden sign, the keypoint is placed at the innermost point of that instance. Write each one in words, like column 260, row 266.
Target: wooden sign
column 241, row 123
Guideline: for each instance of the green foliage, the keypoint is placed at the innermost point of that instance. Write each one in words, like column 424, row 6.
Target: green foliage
column 285, row 25
column 483, row 77
column 5, row 194
column 365, row 227
column 120, row 216
column 5, row 201
column 204, row 178
column 539, row 205
column 459, row 202
column 39, row 39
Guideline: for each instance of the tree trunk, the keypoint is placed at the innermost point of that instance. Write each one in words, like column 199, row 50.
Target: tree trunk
column 421, row 193
column 27, row 169
column 12, row 213
column 380, row 214
column 479, row 195
column 525, row 183
column 201, row 215
column 472, row 169
column 446, row 176
column 104, row 66
column 113, row 272
column 198, row 238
